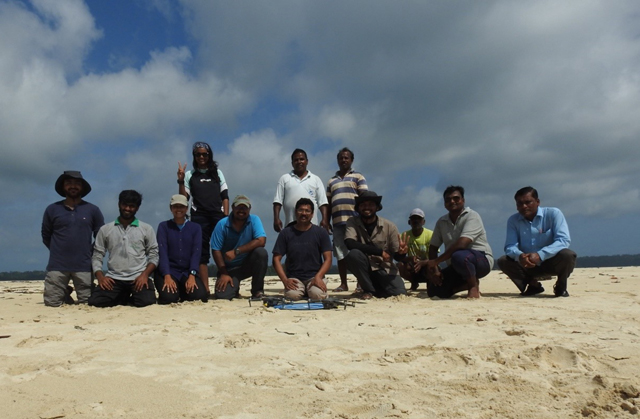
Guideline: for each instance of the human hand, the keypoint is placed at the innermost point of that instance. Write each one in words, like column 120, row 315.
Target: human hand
column 223, row 281
column 525, row 260
column 326, row 225
column 106, row 283
column 290, row 284
column 169, row 284
column 277, row 225
column 386, row 256
column 181, row 171
column 140, row 282
column 318, row 282
column 403, row 241
column 230, row 255
column 191, row 285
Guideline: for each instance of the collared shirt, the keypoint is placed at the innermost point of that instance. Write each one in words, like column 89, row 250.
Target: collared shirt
column 179, row 248
column 469, row 225
column 342, row 192
column 546, row 234
column 130, row 249
column 68, row 234
column 225, row 237
column 384, row 236
column 291, row 188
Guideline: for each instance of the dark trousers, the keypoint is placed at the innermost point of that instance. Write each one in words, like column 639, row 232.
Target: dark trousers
column 122, row 294
column 166, row 297
column 207, row 224
column 561, row 265
column 254, row 266
column 378, row 283
column 465, row 264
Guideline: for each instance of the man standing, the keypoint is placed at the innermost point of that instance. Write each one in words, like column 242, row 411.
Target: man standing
column 68, row 228
column 299, row 183
column 418, row 240
column 133, row 256
column 308, row 251
column 372, row 242
column 537, row 245
column 467, row 251
column 342, row 190
column 238, row 249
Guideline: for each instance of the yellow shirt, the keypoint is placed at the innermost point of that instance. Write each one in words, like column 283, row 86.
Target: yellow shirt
column 419, row 246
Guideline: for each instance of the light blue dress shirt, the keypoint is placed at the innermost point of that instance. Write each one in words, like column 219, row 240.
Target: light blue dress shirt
column 546, row 235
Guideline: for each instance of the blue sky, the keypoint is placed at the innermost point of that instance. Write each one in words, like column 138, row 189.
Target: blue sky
column 492, row 95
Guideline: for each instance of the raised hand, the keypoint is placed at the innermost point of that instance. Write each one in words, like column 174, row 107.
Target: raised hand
column 181, row 170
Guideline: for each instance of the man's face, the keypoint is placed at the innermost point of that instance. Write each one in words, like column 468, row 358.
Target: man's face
column 178, row 210
column 304, row 214
column 367, row 209
column 127, row 210
column 240, row 212
column 416, row 222
column 345, row 161
column 299, row 163
column 527, row 206
column 454, row 202
column 72, row 188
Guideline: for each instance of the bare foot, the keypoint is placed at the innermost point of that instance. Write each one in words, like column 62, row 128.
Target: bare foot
column 342, row 287
column 474, row 292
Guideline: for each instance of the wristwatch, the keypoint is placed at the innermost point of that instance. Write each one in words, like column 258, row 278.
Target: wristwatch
column 237, row 251
column 194, row 273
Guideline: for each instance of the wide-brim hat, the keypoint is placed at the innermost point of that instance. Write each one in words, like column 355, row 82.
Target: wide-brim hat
column 72, row 174
column 369, row 196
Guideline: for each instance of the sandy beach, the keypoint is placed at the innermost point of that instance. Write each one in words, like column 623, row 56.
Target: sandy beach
column 502, row 356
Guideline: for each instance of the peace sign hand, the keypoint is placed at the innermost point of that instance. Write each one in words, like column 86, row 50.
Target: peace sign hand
column 403, row 242
column 181, row 171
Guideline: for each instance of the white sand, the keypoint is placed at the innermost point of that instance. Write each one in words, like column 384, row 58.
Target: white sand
column 410, row 357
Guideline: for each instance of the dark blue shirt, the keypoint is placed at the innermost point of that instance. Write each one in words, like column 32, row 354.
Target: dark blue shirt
column 179, row 249
column 303, row 250
column 68, row 234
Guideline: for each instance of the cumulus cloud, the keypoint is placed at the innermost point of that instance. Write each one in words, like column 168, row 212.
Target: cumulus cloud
column 492, row 95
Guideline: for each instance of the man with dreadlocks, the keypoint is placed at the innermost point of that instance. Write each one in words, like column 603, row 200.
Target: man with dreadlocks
column 209, row 198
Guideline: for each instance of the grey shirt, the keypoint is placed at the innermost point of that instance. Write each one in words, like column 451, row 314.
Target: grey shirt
column 130, row 250
column 469, row 225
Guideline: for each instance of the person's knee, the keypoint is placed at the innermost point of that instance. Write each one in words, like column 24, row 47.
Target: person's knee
column 260, row 254
column 316, row 293
column 227, row 294
column 567, row 256
column 293, row 295
column 168, row 297
column 503, row 261
column 145, row 299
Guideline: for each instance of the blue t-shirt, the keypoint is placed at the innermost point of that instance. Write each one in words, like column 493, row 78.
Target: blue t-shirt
column 303, row 250
column 225, row 237
column 68, row 234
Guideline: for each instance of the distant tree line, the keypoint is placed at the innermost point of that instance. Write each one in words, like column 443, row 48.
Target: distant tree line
column 583, row 262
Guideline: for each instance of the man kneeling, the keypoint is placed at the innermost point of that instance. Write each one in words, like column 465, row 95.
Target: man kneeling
column 308, row 251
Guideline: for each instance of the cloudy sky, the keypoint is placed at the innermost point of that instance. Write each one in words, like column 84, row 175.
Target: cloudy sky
column 491, row 95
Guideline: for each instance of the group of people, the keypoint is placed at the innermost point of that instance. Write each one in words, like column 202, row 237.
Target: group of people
column 174, row 261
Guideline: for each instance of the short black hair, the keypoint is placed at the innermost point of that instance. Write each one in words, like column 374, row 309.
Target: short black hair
column 526, row 190
column 130, row 196
column 305, row 201
column 346, row 149
column 453, row 188
column 299, row 150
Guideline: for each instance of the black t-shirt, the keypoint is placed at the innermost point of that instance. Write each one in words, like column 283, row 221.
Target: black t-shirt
column 205, row 191
column 303, row 250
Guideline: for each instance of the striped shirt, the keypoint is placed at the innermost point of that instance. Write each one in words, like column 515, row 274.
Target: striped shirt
column 342, row 192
